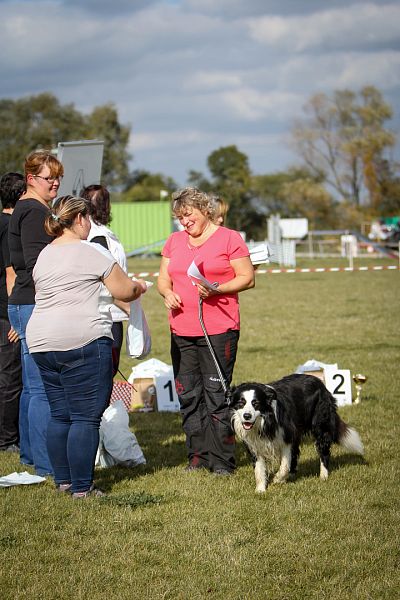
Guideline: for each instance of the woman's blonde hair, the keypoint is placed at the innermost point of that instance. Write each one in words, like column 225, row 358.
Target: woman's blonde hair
column 35, row 161
column 191, row 197
column 220, row 207
column 63, row 214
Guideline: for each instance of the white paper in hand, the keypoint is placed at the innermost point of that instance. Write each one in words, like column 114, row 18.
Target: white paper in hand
column 193, row 272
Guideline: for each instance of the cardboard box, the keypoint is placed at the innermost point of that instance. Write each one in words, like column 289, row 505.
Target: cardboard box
column 144, row 395
column 319, row 374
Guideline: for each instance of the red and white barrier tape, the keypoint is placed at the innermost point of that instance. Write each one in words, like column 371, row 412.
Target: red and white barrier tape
column 312, row 270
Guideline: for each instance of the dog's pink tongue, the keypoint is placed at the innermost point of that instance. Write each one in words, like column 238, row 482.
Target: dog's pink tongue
column 247, row 425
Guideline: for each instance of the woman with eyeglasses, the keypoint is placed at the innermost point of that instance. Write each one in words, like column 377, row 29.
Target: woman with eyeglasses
column 27, row 238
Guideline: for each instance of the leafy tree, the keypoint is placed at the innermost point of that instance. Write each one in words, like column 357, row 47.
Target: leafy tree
column 41, row 122
column 29, row 123
column 389, row 182
column 309, row 199
column 232, row 181
column 147, row 186
column 296, row 193
column 268, row 188
column 228, row 164
column 198, row 180
column 103, row 124
column 343, row 138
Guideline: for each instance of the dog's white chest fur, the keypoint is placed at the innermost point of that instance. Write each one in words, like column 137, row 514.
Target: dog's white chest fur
column 258, row 444
column 248, row 423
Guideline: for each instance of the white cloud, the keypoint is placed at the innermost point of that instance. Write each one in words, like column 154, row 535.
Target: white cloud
column 212, row 80
column 383, row 69
column 342, row 70
column 165, row 139
column 356, row 25
column 253, row 105
column 193, row 75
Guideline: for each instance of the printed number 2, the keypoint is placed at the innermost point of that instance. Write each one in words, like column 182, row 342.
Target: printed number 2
column 169, row 386
column 337, row 389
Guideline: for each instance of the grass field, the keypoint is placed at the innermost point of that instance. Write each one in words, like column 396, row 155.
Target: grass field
column 165, row 534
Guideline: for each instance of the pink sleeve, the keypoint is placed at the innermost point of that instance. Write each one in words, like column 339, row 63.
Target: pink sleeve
column 236, row 246
column 166, row 251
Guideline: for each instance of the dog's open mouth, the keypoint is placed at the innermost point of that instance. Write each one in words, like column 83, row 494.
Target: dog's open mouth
column 247, row 425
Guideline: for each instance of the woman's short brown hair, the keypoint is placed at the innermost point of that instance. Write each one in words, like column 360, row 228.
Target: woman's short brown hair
column 36, row 160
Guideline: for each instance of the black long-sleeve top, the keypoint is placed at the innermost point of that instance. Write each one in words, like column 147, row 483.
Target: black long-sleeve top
column 26, row 239
column 4, row 262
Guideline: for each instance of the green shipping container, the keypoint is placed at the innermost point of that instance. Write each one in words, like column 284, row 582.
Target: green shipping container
column 141, row 226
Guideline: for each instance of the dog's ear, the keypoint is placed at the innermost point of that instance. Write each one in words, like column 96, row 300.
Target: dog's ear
column 270, row 412
column 231, row 396
column 270, row 392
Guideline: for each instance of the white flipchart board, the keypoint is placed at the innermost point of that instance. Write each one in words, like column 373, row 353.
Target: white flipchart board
column 82, row 161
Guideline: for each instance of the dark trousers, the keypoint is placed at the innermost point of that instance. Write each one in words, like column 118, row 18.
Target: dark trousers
column 10, row 387
column 210, row 440
column 117, row 331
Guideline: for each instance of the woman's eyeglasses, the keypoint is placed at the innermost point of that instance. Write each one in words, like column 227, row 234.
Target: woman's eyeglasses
column 50, row 179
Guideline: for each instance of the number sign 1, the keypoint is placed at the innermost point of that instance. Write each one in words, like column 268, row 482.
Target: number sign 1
column 338, row 382
column 167, row 399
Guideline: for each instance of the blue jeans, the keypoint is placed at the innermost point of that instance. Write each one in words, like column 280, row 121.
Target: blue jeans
column 34, row 410
column 78, row 385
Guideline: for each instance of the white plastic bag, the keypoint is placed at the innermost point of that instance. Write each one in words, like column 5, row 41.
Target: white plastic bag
column 118, row 445
column 138, row 337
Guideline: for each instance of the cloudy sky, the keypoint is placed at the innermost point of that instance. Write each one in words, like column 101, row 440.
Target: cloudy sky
column 190, row 76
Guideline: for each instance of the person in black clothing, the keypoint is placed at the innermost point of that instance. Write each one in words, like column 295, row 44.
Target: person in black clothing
column 27, row 237
column 12, row 185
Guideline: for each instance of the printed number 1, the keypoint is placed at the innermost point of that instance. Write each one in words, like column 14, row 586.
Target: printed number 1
column 169, row 386
column 337, row 389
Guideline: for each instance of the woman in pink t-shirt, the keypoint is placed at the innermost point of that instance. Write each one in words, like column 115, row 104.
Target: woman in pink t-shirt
column 221, row 256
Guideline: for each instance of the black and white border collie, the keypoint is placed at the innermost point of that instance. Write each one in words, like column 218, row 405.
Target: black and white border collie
column 272, row 419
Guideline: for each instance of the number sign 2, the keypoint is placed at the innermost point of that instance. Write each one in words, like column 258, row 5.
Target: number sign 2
column 167, row 399
column 338, row 382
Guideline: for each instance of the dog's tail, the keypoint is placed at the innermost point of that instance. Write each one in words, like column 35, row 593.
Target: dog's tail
column 348, row 437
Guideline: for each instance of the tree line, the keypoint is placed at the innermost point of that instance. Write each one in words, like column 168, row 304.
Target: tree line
column 345, row 175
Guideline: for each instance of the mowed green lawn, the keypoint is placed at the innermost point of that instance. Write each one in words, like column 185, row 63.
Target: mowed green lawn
column 166, row 534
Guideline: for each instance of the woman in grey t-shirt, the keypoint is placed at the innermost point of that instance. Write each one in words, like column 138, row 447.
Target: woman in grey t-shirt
column 69, row 337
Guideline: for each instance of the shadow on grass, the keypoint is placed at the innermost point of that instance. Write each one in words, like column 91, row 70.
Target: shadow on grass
column 132, row 500
column 107, row 477
column 307, row 467
column 310, row 467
